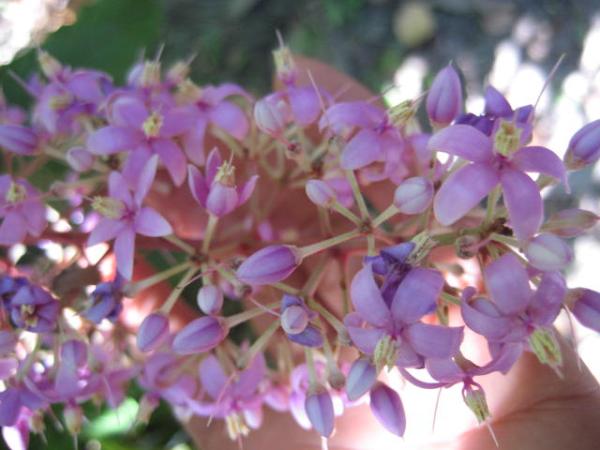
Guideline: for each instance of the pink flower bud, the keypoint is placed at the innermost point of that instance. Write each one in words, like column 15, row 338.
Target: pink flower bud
column 271, row 115
column 200, row 335
column 18, row 139
column 387, row 408
column 413, row 195
column 361, row 377
column 319, row 409
column 548, row 252
column 571, row 222
column 80, row 159
column 320, row 193
column 584, row 147
column 210, row 299
column 294, row 319
column 153, row 332
column 269, row 265
column 444, row 101
column 586, row 307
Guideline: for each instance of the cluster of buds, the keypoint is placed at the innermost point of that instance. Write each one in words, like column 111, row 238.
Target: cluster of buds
column 260, row 204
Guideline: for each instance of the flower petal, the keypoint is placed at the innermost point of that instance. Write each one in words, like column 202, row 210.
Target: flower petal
column 148, row 222
column 416, row 295
column 462, row 191
column 540, row 160
column 305, row 104
column 213, row 162
column 105, row 230
column 548, row 299
column 367, row 300
column 434, row 341
column 13, row 229
column 508, row 284
column 523, row 201
column 212, row 376
column 482, row 317
column 113, row 139
column 362, row 150
column 464, row 141
column 365, row 339
column 246, row 190
column 124, row 252
column 197, row 185
column 231, row 118
column 144, row 183
column 173, row 159
column 193, row 142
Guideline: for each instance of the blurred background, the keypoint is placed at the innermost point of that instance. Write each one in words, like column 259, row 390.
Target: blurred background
column 393, row 47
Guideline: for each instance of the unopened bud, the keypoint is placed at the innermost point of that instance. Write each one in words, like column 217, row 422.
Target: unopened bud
column 320, row 193
column 210, row 299
column 271, row 115
column 294, row 319
column 49, row 65
column 269, row 265
column 387, row 408
column 585, row 305
column 584, row 147
column 361, row 377
column 571, row 222
column 319, row 409
column 413, row 195
column 548, row 252
column 153, row 332
column 444, row 101
column 18, row 139
column 200, row 335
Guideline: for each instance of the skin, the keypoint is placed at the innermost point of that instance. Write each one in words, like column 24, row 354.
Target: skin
column 532, row 407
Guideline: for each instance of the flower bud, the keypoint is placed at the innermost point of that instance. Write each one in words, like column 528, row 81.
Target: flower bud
column 584, row 147
column 18, row 139
column 413, row 195
column 294, row 319
column 474, row 397
column 271, row 114
column 444, row 101
column 210, row 299
column 320, row 193
column 319, row 409
column 387, row 408
column 73, row 416
column 361, row 377
column 548, row 252
column 148, row 404
column 586, row 307
column 80, row 159
column 269, row 265
column 200, row 335
column 153, row 332
column 48, row 63
column 571, row 222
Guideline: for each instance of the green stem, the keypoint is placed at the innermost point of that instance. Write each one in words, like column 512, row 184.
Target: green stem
column 450, row 298
column 286, row 288
column 360, row 200
column 244, row 316
column 138, row 286
column 258, row 345
column 491, row 205
column 331, row 242
column 507, row 240
column 209, row 232
column 390, row 211
column 337, row 206
column 310, row 364
column 176, row 292
column 187, row 248
column 337, row 325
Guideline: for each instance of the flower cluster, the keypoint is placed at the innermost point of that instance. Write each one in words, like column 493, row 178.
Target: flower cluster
column 267, row 205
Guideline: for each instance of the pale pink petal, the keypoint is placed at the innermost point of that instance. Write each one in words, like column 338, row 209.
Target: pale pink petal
column 230, row 117
column 305, row 104
column 434, row 341
column 362, row 150
column 508, row 284
column 105, row 230
column 173, row 159
column 118, row 188
column 221, row 199
column 193, row 142
column 134, row 164
column 197, row 185
column 124, row 252
column 128, row 111
column 365, row 339
column 464, row 141
column 113, row 139
column 246, row 190
column 13, row 229
column 146, row 179
column 150, row 223
column 177, row 121
column 417, row 295
column 524, row 203
column 462, row 191
column 540, row 160
column 213, row 163
column 212, row 376
column 367, row 300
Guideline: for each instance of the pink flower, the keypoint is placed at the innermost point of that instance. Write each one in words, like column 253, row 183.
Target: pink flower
column 124, row 216
column 22, row 210
column 216, row 190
